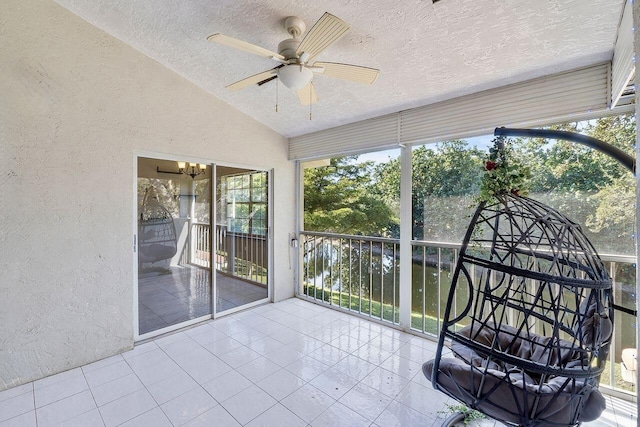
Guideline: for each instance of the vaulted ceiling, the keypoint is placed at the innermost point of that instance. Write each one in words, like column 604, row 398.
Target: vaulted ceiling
column 425, row 52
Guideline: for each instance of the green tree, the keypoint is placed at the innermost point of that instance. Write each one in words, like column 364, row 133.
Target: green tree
column 339, row 198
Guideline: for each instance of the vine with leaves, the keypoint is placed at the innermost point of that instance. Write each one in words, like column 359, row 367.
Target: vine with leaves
column 504, row 172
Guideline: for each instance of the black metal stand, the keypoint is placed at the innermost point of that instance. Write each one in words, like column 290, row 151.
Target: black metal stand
column 626, row 160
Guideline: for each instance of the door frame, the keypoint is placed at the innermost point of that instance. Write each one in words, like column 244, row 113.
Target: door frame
column 213, row 213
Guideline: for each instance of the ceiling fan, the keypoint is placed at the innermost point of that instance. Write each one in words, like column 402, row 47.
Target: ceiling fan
column 295, row 55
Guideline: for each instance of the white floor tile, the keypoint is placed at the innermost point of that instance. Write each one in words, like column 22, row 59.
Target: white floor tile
column 386, row 382
column 107, row 373
column 200, row 329
column 307, row 368
column 333, row 383
column 154, row 356
column 60, row 390
column 402, row 366
column 264, row 345
column 25, row 420
column 65, row 409
column 188, row 406
column 16, row 391
column 88, row 419
column 281, row 384
column 208, row 335
column 422, row 399
column 399, row 415
column 354, row 367
column 279, row 416
column 226, row 385
column 63, row 376
column 372, row 354
column 307, row 402
column 328, row 354
column 172, row 387
column 152, row 374
column 257, row 369
column 366, row 401
column 415, row 353
column 181, row 347
column 306, row 345
column 127, row 407
column 248, row 335
column 216, row 417
column 139, row 349
column 222, row 346
column 152, row 418
column 173, row 338
column 15, row 406
column 239, row 356
column 338, row 415
column 247, row 405
column 347, row 343
column 284, row 355
column 287, row 335
column 286, row 345
column 102, row 363
column 202, row 366
column 386, row 342
column 115, row 389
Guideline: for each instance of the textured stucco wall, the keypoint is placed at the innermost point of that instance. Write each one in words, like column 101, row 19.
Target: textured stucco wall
column 75, row 104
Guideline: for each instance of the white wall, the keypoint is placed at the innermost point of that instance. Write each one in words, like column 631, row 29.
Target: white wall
column 75, row 104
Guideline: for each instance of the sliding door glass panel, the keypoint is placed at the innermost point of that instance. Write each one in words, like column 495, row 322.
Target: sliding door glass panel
column 241, row 237
column 174, row 243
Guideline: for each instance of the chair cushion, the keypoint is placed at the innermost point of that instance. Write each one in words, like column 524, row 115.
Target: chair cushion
column 507, row 392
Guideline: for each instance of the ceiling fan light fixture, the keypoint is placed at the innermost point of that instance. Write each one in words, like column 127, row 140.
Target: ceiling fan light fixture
column 295, row 76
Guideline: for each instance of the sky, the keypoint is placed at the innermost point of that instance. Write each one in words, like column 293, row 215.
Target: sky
column 481, row 142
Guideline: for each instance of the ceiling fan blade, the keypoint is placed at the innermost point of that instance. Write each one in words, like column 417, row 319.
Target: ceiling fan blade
column 275, row 75
column 242, row 45
column 267, row 80
column 307, row 95
column 257, row 78
column 323, row 34
column 354, row 73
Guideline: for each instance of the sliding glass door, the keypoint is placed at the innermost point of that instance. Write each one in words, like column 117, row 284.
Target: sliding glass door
column 192, row 217
column 174, row 235
column 242, row 237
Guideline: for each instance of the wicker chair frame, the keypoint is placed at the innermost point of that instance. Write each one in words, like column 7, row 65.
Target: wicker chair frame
column 529, row 317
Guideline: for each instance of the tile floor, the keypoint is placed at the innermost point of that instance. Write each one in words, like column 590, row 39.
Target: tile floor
column 183, row 294
column 287, row 364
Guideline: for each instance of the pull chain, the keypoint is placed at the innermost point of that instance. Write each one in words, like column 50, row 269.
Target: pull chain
column 310, row 98
column 276, row 95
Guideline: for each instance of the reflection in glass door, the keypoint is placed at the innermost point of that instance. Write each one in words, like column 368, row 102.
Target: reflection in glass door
column 174, row 237
column 242, row 237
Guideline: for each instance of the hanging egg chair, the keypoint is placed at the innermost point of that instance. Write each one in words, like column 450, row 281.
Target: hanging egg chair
column 529, row 316
column 530, row 310
column 156, row 230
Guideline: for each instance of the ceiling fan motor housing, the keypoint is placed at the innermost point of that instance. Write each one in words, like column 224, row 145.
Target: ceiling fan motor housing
column 288, row 48
column 295, row 76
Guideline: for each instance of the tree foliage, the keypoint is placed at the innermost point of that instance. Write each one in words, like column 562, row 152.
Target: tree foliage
column 587, row 185
column 339, row 199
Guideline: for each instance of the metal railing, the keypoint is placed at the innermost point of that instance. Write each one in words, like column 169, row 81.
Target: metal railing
column 241, row 255
column 358, row 273
column 361, row 274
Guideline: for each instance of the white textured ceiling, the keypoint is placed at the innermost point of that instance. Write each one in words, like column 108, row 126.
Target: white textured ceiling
column 426, row 52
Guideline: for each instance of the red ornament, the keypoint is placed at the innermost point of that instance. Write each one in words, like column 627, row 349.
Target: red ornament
column 515, row 192
column 489, row 165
